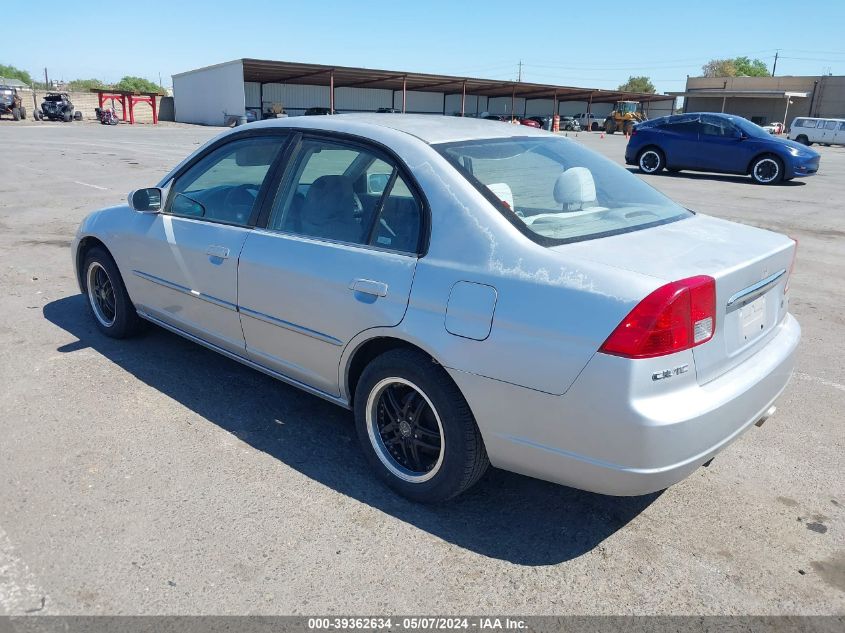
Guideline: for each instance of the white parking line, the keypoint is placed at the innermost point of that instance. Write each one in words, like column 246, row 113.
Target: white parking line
column 19, row 592
column 821, row 381
column 85, row 184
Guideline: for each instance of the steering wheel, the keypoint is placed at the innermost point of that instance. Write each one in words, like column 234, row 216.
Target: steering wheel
column 239, row 201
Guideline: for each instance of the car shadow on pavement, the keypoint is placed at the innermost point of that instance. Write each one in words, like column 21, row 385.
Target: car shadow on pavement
column 697, row 175
column 505, row 516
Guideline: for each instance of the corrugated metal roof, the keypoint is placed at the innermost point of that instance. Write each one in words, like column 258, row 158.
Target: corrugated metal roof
column 15, row 83
column 268, row 71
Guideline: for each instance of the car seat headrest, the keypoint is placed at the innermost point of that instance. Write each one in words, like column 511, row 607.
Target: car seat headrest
column 575, row 188
column 503, row 192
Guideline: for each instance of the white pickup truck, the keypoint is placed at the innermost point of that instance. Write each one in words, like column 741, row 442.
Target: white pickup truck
column 589, row 121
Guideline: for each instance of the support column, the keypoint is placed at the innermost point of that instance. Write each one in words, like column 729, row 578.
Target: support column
column 463, row 97
column 723, row 102
column 404, row 93
column 513, row 102
column 331, row 92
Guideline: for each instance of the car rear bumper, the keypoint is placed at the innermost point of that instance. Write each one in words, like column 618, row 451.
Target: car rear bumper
column 616, row 431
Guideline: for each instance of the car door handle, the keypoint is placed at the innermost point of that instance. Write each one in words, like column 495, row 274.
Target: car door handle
column 217, row 251
column 370, row 287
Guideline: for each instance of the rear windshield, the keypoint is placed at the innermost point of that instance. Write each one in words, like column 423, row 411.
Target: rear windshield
column 556, row 191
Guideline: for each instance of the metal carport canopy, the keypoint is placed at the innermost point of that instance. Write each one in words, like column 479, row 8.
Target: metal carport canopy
column 266, row 71
column 730, row 94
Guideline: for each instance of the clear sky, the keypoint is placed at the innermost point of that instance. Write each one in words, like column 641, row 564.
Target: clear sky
column 598, row 45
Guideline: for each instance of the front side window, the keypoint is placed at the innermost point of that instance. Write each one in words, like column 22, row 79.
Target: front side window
column 223, row 186
column 842, row 127
column 716, row 126
column 558, row 191
column 346, row 193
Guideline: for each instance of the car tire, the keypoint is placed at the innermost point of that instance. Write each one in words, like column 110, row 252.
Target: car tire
column 16, row 114
column 802, row 138
column 391, row 390
column 111, row 307
column 37, row 115
column 66, row 117
column 23, row 113
column 651, row 160
column 77, row 116
column 767, row 170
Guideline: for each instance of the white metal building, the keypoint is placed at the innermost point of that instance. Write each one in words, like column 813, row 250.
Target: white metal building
column 210, row 95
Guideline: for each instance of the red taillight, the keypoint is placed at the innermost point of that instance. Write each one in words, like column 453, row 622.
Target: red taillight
column 791, row 266
column 675, row 317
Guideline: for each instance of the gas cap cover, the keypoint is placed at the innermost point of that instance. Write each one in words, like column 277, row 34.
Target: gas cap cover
column 469, row 313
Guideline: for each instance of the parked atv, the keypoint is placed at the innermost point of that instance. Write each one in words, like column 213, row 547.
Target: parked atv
column 11, row 103
column 106, row 116
column 57, row 107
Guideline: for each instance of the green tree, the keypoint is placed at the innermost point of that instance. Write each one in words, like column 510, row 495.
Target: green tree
column 11, row 72
column 735, row 67
column 751, row 67
column 137, row 84
column 83, row 85
column 638, row 84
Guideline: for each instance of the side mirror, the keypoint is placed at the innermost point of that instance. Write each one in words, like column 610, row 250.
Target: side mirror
column 145, row 200
column 377, row 183
column 183, row 205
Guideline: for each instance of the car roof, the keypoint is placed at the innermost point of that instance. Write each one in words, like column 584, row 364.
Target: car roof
column 430, row 128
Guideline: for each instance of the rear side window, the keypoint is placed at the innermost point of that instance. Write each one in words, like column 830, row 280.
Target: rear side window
column 399, row 221
column 682, row 127
column 347, row 193
column 805, row 123
column 830, row 125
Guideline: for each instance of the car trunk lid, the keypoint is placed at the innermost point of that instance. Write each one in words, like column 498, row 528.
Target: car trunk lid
column 750, row 266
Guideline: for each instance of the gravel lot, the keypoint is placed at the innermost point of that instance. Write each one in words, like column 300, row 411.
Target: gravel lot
column 152, row 476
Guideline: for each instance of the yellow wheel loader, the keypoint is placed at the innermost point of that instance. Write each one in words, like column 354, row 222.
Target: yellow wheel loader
column 625, row 114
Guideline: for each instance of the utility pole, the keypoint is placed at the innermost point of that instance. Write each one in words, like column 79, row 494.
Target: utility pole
column 775, row 65
column 46, row 82
column 519, row 75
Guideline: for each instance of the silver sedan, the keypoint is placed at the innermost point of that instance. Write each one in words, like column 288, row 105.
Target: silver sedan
column 475, row 292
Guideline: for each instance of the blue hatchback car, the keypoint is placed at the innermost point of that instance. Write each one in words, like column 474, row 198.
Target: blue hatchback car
column 702, row 141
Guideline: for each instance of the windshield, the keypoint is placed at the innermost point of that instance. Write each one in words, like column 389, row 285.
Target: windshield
column 556, row 191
